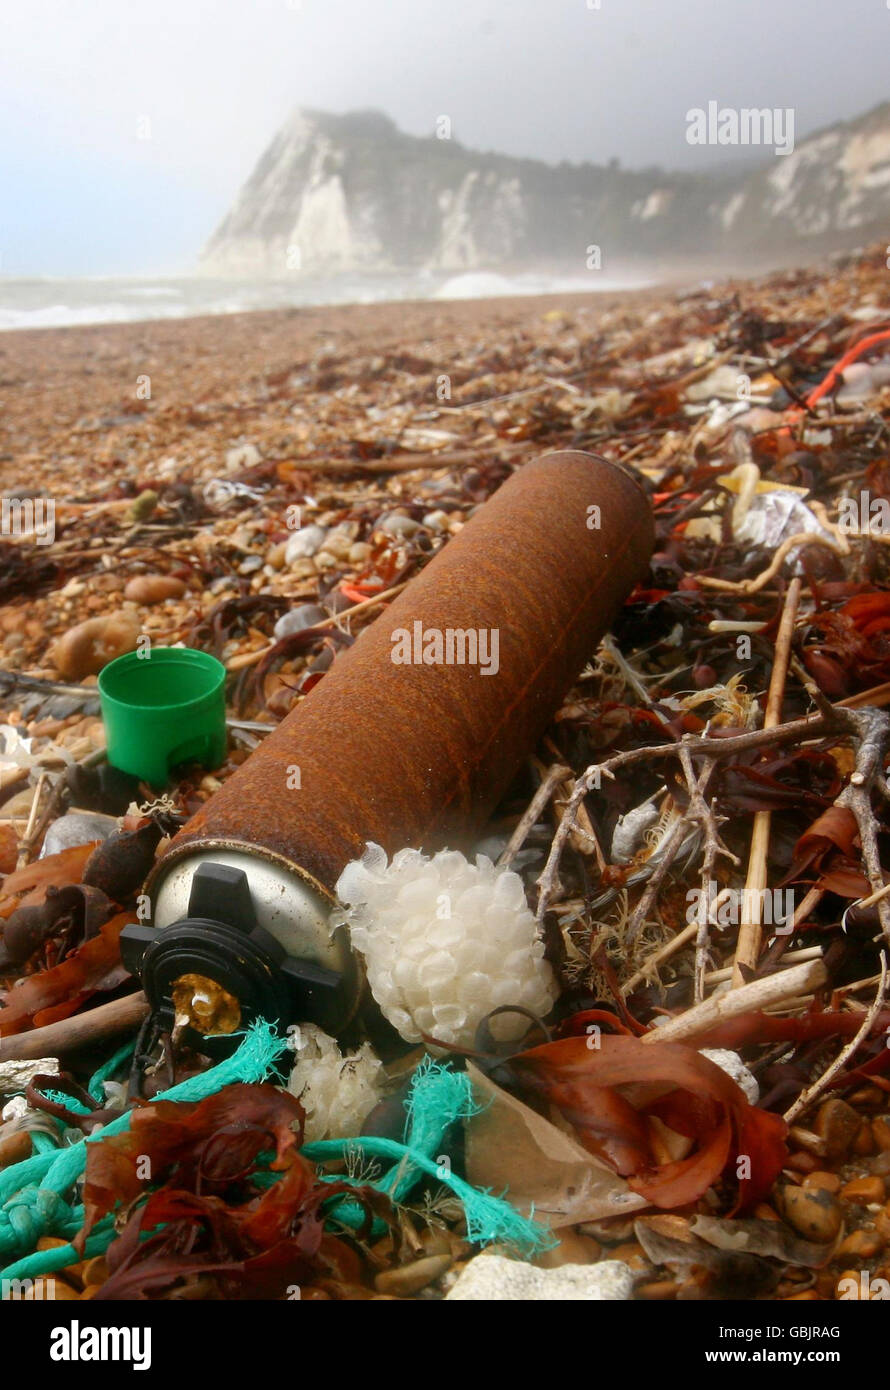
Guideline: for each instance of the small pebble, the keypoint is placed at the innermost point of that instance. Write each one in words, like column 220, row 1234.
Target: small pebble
column 298, row 619
column 829, row 1181
column 338, row 543
column 864, row 1191
column 880, row 1128
column 394, row 524
column 77, row 828
column 153, row 588
column 242, row 456
column 814, row 1213
column 83, row 650
column 303, row 569
column 837, row 1125
column 858, row 1245
column 802, row 1162
column 14, row 1148
column 864, row 1143
column 868, row 1098
column 411, row 1278
column 141, row 508
column 491, row 1278
column 304, row 543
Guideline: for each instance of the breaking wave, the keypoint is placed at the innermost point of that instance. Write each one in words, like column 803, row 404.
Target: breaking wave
column 60, row 303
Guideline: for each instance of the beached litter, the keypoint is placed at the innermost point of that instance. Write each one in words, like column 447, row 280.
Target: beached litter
column 672, row 1081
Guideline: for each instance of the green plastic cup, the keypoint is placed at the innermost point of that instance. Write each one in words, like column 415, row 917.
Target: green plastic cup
column 165, row 707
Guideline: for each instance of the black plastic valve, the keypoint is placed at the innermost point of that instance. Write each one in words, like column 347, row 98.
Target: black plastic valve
column 221, row 940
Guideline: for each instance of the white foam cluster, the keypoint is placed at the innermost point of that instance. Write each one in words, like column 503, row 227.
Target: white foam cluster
column 445, row 942
column 337, row 1092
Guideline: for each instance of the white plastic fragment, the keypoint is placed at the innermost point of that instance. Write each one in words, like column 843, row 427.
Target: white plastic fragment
column 492, row 1278
column 732, row 1064
column 445, row 942
column 337, row 1092
column 774, row 516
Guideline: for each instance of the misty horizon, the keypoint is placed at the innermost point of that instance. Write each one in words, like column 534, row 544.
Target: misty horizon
column 579, row 81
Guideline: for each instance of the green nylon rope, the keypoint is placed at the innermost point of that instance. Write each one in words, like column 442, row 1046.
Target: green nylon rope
column 438, row 1098
column 32, row 1205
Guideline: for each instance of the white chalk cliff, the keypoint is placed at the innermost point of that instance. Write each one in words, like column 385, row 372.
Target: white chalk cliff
column 337, row 193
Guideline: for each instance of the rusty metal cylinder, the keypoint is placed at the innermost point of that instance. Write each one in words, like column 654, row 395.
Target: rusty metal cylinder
column 419, row 752
column 416, row 731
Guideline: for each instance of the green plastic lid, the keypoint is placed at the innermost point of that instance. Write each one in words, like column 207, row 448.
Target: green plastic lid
column 163, row 706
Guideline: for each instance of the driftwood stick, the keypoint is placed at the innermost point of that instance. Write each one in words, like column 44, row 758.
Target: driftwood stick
column 717, row 977
column 812, row 1092
column 700, row 811
column 105, row 1021
column 238, row 663
column 549, row 782
column 760, row 581
column 669, row 850
column 759, row 994
column 689, row 933
column 750, row 935
column 874, row 735
column 813, row 726
column 27, row 842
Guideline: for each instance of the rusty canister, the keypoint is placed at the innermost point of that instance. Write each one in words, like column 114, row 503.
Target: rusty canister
column 415, row 732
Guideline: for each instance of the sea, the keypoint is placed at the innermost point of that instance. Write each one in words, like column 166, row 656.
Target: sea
column 51, row 302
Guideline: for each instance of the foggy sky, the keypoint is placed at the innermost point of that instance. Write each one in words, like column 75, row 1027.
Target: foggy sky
column 553, row 79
